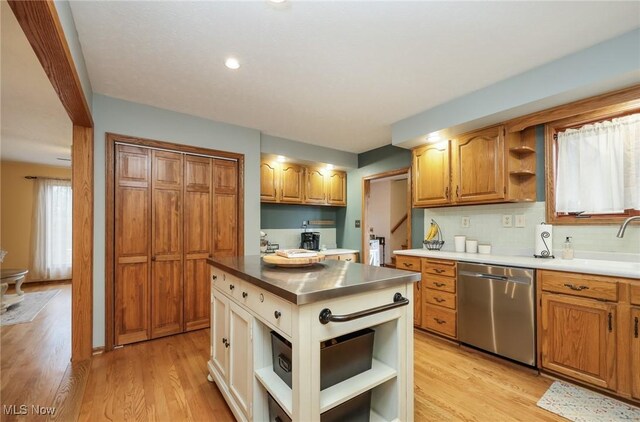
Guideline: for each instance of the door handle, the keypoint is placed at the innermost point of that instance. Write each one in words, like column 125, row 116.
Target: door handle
column 153, row 258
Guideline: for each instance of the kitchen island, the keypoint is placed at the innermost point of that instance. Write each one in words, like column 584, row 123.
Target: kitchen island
column 307, row 307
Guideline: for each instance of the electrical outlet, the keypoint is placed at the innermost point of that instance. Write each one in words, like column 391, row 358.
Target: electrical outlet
column 357, row 224
column 520, row 220
column 507, row 220
column 466, row 222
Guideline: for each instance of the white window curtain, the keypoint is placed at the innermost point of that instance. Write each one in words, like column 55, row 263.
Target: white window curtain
column 51, row 236
column 598, row 167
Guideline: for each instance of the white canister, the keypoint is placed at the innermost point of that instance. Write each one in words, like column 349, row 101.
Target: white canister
column 472, row 246
column 484, row 249
column 458, row 241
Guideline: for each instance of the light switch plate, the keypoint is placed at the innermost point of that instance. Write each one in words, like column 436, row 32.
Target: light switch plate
column 507, row 220
column 520, row 220
column 466, row 222
column 357, row 224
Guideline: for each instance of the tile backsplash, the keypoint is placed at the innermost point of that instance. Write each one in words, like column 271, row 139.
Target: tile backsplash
column 290, row 238
column 486, row 227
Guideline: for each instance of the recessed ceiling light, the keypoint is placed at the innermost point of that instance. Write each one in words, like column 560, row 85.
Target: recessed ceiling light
column 433, row 138
column 232, row 63
column 281, row 159
column 277, row 1
column 329, row 167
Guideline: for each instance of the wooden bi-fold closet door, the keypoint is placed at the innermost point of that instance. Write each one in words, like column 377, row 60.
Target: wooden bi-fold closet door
column 198, row 239
column 132, row 243
column 166, row 243
column 173, row 210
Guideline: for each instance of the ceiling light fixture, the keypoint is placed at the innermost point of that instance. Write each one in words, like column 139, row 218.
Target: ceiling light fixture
column 232, row 63
column 434, row 137
column 329, row 167
column 281, row 159
column 277, row 1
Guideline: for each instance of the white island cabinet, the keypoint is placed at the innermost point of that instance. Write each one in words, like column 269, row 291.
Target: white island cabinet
column 307, row 306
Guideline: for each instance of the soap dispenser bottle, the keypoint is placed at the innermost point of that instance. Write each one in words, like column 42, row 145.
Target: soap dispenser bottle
column 567, row 249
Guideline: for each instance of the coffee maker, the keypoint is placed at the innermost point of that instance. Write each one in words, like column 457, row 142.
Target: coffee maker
column 310, row 241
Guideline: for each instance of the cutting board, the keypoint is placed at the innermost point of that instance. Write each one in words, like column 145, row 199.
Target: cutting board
column 281, row 261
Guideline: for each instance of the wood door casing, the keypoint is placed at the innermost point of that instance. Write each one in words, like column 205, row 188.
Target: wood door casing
column 315, row 191
column 269, row 181
column 291, row 184
column 477, row 163
column 431, row 175
column 337, row 188
column 132, row 197
column 579, row 339
column 197, row 240
column 167, row 243
column 635, row 352
column 225, row 208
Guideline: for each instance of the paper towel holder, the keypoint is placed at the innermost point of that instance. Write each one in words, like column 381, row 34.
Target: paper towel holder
column 546, row 254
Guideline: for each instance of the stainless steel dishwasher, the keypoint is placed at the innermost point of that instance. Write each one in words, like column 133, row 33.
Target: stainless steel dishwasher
column 496, row 310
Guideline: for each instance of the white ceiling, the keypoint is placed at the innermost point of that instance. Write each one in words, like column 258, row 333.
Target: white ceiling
column 335, row 74
column 35, row 126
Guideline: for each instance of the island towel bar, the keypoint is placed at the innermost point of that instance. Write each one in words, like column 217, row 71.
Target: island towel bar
column 326, row 316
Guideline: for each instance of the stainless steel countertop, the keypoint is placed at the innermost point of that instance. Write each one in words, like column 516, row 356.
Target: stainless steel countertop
column 322, row 281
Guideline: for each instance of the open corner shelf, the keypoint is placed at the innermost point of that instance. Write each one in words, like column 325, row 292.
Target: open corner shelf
column 278, row 389
column 349, row 388
column 522, row 150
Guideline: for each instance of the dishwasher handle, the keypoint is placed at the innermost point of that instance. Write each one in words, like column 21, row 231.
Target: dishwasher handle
column 495, row 277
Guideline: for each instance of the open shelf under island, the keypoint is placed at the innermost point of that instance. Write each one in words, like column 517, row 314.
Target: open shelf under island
column 307, row 307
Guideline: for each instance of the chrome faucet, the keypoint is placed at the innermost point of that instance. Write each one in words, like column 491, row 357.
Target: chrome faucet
column 623, row 227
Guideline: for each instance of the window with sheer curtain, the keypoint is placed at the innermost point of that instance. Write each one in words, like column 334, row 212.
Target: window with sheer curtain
column 51, row 240
column 598, row 167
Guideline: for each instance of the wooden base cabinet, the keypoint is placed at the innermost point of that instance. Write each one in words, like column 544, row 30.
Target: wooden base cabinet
column 579, row 339
column 588, row 330
column 413, row 263
column 439, row 300
column 635, row 353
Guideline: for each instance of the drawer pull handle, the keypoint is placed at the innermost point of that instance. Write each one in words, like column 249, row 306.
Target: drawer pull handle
column 326, row 316
column 347, row 259
column 231, row 287
column 277, row 314
column 407, row 264
column 438, row 270
column 439, row 299
column 576, row 288
column 244, row 295
column 437, row 284
column 635, row 327
column 215, row 277
column 440, row 321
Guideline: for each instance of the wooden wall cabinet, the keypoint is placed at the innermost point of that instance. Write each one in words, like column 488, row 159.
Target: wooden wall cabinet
column 289, row 183
column 484, row 166
column 431, row 175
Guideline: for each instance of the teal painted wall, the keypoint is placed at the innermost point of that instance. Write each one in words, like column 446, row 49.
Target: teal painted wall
column 307, row 152
column 282, row 216
column 379, row 160
column 127, row 118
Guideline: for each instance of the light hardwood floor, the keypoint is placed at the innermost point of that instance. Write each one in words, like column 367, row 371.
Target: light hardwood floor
column 34, row 356
column 165, row 379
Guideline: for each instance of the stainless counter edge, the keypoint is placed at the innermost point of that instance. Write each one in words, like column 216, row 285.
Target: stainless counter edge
column 318, row 295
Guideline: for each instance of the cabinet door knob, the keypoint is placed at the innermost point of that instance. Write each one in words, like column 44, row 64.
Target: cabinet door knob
column 231, row 287
column 153, row 258
column 245, row 294
column 224, row 341
column 215, row 277
column 277, row 314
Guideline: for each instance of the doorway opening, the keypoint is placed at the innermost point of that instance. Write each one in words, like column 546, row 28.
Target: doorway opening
column 386, row 216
